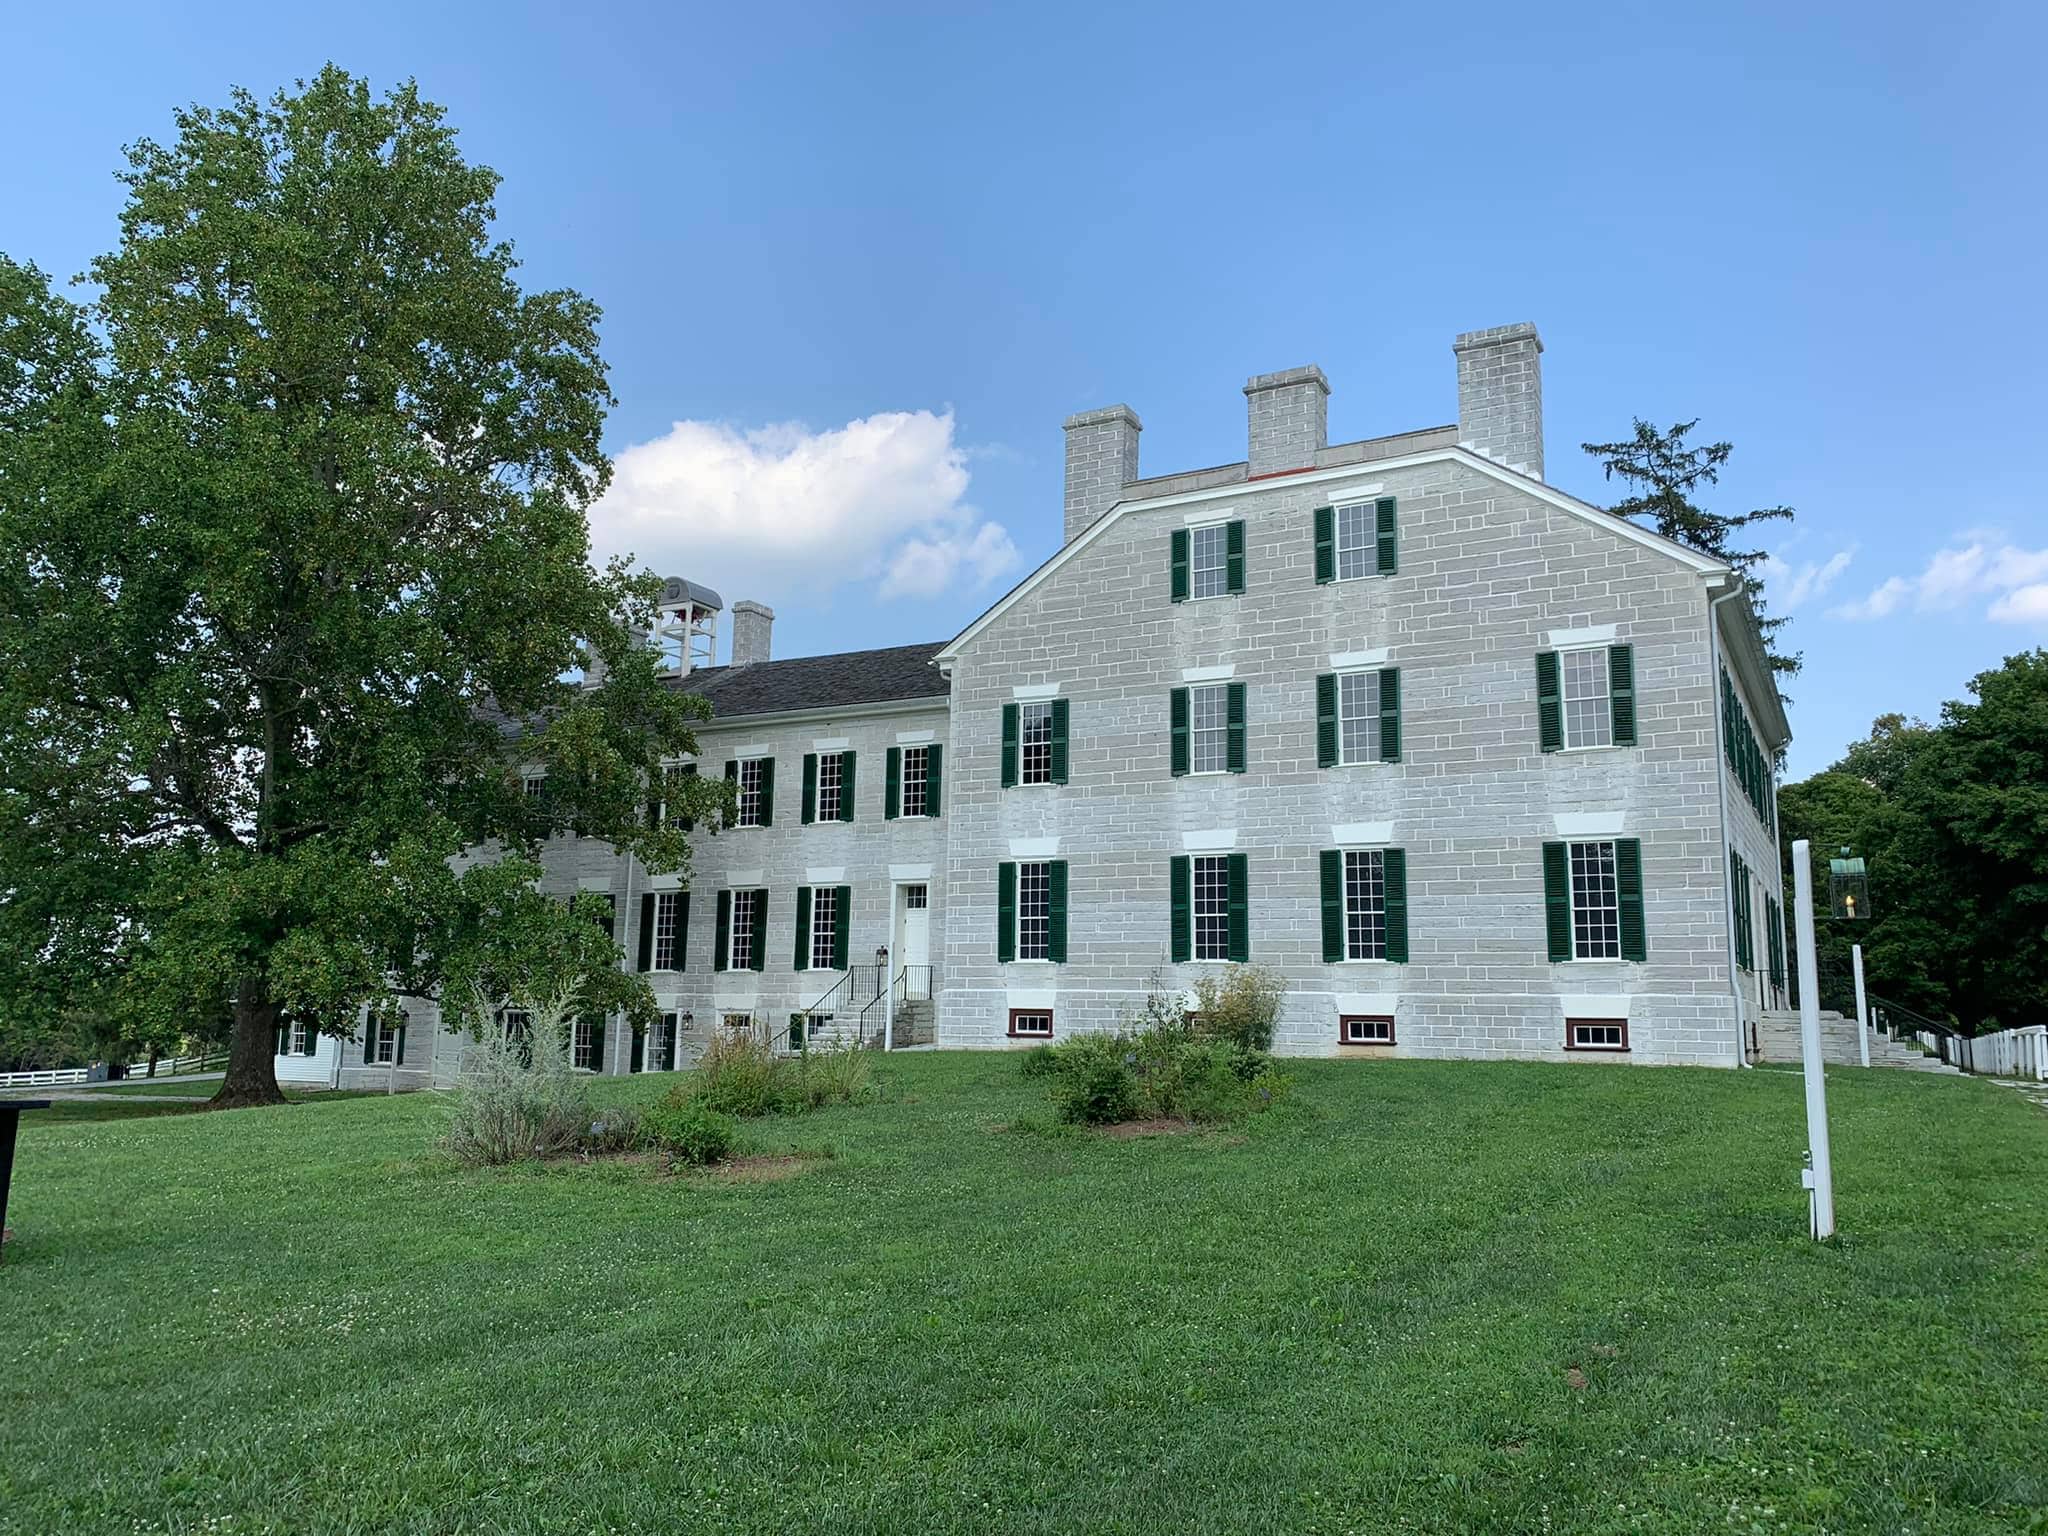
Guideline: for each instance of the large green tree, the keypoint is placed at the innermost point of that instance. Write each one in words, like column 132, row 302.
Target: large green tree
column 1664, row 473
column 294, row 557
column 1952, row 820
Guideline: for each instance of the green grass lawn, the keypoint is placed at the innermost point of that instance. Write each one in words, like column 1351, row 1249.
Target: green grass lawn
column 1438, row 1297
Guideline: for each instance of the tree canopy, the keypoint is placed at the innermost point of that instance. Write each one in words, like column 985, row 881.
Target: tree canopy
column 1952, row 821
column 1664, row 472
column 295, row 557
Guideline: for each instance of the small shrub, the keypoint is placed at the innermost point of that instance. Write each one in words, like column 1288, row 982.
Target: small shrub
column 1097, row 1083
column 737, row 1075
column 513, row 1102
column 616, row 1129
column 689, row 1130
column 1240, row 1005
column 838, row 1075
column 1039, row 1061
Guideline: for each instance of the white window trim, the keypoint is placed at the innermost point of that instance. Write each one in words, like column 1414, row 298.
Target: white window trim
column 1369, row 502
column 1199, row 525
column 1564, row 729
column 1209, row 674
column 1342, row 673
column 1362, row 834
column 1034, row 693
column 1208, row 773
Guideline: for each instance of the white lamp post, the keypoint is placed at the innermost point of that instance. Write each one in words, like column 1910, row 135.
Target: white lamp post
column 1820, row 1174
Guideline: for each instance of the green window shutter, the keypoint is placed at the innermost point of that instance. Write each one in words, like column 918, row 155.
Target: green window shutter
column 1735, row 908
column 1234, row 716
column 656, row 808
column 1394, row 870
column 1334, row 948
column 398, row 1055
column 1177, row 747
column 842, row 925
column 1006, row 913
column 847, row 781
column 638, row 1061
column 370, row 1045
column 1384, row 526
column 1240, row 885
column 280, row 1038
column 1326, row 545
column 1549, row 703
column 759, row 958
column 682, row 931
column 1628, row 868
column 1326, row 720
column 767, row 792
column 803, row 928
column 1056, row 911
column 689, row 772
column 892, row 785
column 1178, row 560
column 1557, row 900
column 596, row 1043
column 1390, row 714
column 647, row 931
column 721, row 956
column 1009, row 746
column 1059, row 741
column 1233, row 556
column 810, row 805
column 1621, row 693
column 1180, row 880
column 932, row 756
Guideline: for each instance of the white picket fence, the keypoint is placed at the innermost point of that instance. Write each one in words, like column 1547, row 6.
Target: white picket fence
column 2007, row 1053
column 167, row 1066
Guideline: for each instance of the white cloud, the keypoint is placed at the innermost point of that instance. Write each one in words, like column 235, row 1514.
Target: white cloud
column 2015, row 579
column 1791, row 583
column 758, row 512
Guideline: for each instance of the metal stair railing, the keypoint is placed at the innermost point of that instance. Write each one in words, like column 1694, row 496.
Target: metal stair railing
column 858, row 988
column 1950, row 1043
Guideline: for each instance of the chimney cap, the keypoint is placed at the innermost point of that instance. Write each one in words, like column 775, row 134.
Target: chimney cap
column 1103, row 415
column 748, row 605
column 1311, row 374
column 1521, row 330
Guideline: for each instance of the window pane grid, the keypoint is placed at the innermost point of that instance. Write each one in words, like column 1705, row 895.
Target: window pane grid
column 1588, row 721
column 1209, row 728
column 1596, row 903
column 829, row 766
column 1358, row 717
column 916, row 766
column 1035, row 730
column 667, row 905
column 1357, row 541
column 1212, row 908
column 916, row 897
column 1209, row 560
column 1038, row 1024
column 657, row 1043
column 741, row 954
column 824, row 927
column 582, row 1048
column 1034, row 911
column 1365, row 906
column 750, row 792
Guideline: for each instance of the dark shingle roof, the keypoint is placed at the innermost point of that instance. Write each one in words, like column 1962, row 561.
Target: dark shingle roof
column 820, row 682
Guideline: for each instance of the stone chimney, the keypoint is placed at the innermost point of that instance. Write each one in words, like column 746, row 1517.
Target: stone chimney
column 1290, row 419
column 752, row 624
column 1102, row 458
column 1500, row 395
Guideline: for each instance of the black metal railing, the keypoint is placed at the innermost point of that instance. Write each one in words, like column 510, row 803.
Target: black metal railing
column 1950, row 1043
column 914, row 984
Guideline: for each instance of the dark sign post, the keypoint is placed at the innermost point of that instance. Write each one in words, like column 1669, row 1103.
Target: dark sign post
column 10, row 1117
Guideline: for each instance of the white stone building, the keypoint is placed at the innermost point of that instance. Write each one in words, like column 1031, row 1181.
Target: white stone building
column 1478, row 768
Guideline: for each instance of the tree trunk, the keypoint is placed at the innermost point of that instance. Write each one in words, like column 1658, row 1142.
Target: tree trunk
column 252, row 1052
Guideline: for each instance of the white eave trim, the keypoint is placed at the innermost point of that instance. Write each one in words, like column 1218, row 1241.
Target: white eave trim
column 1336, row 475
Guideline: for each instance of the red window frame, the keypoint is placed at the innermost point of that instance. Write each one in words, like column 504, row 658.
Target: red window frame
column 1346, row 1020
column 1030, row 1034
column 1572, row 1026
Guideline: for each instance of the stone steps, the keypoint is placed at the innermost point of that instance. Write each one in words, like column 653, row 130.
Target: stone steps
column 1778, row 1040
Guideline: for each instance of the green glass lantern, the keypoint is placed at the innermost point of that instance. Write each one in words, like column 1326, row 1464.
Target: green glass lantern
column 1848, row 887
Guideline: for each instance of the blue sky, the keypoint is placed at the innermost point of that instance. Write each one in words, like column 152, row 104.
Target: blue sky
column 857, row 264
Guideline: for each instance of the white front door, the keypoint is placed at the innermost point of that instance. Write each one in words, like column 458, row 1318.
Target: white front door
column 914, row 946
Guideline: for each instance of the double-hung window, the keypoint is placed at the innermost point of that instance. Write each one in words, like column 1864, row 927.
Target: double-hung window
column 1358, row 717
column 1209, row 560
column 822, row 921
column 1588, row 719
column 829, row 765
column 535, row 785
column 304, row 1039
column 746, row 917
column 668, row 906
column 586, row 1042
column 1586, row 698
column 1034, row 911
column 916, row 780
column 1357, row 541
column 753, row 781
column 1209, row 728
column 1593, row 900
column 1365, row 905
column 1034, row 740
column 1031, row 911
column 1212, row 907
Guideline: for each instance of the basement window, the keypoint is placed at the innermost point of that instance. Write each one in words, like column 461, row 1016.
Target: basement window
column 1031, row 1023
column 1365, row 1029
column 1596, row 1034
